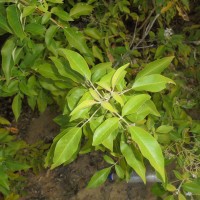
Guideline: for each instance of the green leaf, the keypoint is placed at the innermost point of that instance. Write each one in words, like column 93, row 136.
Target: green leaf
column 104, row 130
column 84, row 104
column 42, row 101
column 4, row 24
column 51, row 31
column 108, row 106
column 66, row 146
column 61, row 14
column 164, row 129
column 80, row 9
column 55, row 1
column 93, row 33
column 193, row 187
column 98, row 71
column 181, row 196
column 7, row 60
column 119, row 171
column 108, row 159
column 108, row 142
column 118, row 74
column 48, row 71
column 134, row 161
column 16, row 106
column 94, row 94
column 149, row 148
column 28, row 10
column 77, row 41
column 35, row 29
column 155, row 67
column 97, row 53
column 65, row 70
column 99, row 178
column 13, row 16
column 151, row 83
column 105, row 81
column 46, row 17
column 77, row 62
column 134, row 104
column 118, row 98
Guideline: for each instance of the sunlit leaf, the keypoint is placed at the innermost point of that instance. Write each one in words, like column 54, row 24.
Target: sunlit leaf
column 80, row 9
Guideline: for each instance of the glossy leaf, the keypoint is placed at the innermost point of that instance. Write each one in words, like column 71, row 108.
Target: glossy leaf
column 149, row 148
column 118, row 74
column 7, row 60
column 134, row 104
column 99, row 178
column 133, row 161
column 66, row 146
column 16, row 106
column 84, row 104
column 13, row 16
column 77, row 62
column 151, row 83
column 108, row 159
column 80, row 9
column 104, row 130
column 108, row 106
column 155, row 67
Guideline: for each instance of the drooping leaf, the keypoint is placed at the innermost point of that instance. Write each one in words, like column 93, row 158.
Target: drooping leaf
column 42, row 101
column 108, row 106
column 108, row 159
column 118, row 98
column 50, row 33
column 13, row 16
column 80, row 9
column 108, row 142
column 35, row 29
column 93, row 33
column 77, row 62
column 7, row 60
column 84, row 104
column 4, row 121
column 66, row 146
column 16, row 106
column 28, row 10
column 134, row 104
column 117, row 75
column 99, row 178
column 151, row 83
column 155, row 67
column 149, row 148
column 104, row 130
column 135, row 162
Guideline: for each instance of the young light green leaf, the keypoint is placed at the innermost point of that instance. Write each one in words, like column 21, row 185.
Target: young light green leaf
column 108, row 159
column 118, row 98
column 119, row 171
column 132, row 160
column 108, row 142
column 108, row 106
column 117, row 75
column 155, row 67
column 149, row 148
column 84, row 104
column 104, row 130
column 97, row 53
column 66, row 146
column 80, row 9
column 7, row 60
column 94, row 94
column 181, row 196
column 151, row 83
column 16, row 106
column 13, row 16
column 134, row 104
column 77, row 62
column 164, row 129
column 99, row 178
column 55, row 1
